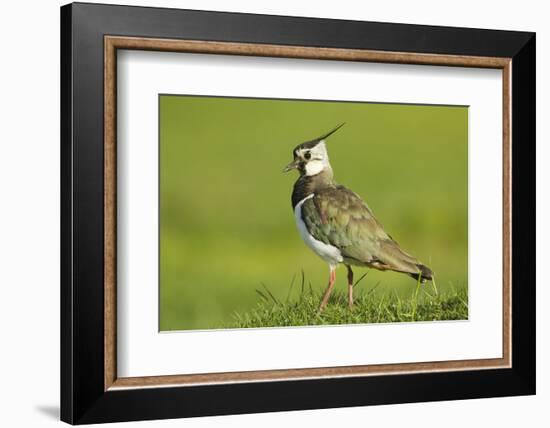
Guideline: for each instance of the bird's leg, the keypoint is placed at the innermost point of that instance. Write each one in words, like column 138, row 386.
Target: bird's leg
column 350, row 286
column 331, row 280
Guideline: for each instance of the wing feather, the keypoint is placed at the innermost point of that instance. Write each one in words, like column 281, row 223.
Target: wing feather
column 339, row 217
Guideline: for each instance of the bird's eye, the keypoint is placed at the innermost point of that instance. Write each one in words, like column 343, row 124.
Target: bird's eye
column 307, row 155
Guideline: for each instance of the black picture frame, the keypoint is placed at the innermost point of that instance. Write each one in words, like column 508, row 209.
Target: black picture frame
column 83, row 397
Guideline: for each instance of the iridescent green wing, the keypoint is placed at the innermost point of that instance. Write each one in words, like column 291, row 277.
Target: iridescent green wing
column 337, row 216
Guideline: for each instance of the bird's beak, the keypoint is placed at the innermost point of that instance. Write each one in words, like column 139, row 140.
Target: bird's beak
column 292, row 165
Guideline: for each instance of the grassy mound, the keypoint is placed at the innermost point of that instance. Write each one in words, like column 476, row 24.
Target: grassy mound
column 423, row 305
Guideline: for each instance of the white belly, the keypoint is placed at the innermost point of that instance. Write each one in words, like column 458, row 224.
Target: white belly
column 327, row 252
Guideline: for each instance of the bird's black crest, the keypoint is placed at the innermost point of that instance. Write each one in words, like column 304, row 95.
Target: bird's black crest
column 312, row 143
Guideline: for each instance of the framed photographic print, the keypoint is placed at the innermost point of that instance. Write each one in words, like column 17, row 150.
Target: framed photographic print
column 264, row 213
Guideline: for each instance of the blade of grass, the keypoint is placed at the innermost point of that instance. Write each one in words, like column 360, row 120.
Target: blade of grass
column 434, row 285
column 362, row 277
column 415, row 301
column 379, row 309
column 373, row 288
column 262, row 295
column 290, row 288
column 270, row 294
column 302, row 286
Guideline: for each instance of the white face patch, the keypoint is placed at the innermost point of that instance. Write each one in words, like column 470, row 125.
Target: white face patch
column 318, row 160
column 314, row 167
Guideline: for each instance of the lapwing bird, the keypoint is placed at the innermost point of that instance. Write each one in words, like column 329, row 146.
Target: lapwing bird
column 338, row 225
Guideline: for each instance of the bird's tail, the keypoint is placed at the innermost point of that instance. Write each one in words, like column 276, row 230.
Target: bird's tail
column 394, row 258
column 425, row 273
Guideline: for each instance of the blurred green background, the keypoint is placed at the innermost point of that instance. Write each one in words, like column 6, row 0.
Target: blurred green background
column 226, row 222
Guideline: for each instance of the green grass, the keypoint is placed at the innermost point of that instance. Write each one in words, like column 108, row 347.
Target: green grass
column 423, row 304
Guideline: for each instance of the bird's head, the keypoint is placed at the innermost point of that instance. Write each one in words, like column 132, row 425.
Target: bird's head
column 311, row 157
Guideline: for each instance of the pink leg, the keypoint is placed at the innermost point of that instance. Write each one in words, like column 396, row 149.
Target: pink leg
column 332, row 279
column 350, row 287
